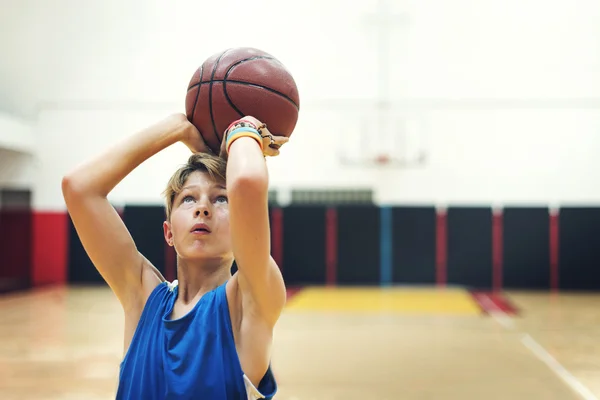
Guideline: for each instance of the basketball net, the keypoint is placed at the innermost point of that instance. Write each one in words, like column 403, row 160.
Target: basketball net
column 385, row 161
column 382, row 159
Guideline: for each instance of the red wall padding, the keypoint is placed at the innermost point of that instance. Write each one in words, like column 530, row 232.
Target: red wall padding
column 50, row 248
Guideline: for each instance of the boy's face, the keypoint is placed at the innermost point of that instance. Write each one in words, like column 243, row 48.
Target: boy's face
column 199, row 225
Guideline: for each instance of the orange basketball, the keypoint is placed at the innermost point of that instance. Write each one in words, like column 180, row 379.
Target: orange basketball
column 239, row 82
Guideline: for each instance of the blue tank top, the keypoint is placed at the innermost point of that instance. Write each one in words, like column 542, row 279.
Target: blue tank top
column 193, row 357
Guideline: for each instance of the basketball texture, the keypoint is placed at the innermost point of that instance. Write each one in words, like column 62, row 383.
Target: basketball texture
column 239, row 82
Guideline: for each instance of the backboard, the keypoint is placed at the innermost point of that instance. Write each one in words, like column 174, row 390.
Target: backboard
column 382, row 138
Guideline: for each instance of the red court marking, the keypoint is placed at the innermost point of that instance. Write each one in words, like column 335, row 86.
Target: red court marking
column 292, row 291
column 277, row 236
column 490, row 301
column 441, row 255
column 497, row 243
column 554, row 246
column 50, row 248
column 331, row 246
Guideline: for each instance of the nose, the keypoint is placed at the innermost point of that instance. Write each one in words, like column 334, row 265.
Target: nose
column 203, row 212
column 203, row 209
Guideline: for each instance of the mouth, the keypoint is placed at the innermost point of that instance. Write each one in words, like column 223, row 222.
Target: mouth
column 200, row 229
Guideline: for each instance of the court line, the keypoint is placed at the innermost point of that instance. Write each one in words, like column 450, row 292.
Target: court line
column 507, row 322
column 496, row 312
column 557, row 368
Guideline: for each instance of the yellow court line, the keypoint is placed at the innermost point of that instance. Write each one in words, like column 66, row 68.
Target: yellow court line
column 403, row 300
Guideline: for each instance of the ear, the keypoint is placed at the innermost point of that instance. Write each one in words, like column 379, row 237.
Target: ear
column 168, row 233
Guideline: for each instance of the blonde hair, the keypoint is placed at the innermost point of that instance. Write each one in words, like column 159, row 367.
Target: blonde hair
column 213, row 165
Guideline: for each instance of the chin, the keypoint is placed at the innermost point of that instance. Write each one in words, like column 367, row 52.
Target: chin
column 202, row 254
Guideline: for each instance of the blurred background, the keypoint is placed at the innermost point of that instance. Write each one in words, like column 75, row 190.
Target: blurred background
column 443, row 174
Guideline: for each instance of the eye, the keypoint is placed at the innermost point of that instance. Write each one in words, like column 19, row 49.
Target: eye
column 222, row 199
column 187, row 199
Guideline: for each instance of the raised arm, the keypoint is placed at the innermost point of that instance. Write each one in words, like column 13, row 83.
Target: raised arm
column 103, row 234
column 259, row 279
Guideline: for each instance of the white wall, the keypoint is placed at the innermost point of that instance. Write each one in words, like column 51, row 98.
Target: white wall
column 15, row 134
column 17, row 169
column 475, row 157
column 508, row 92
column 66, row 52
column 17, row 145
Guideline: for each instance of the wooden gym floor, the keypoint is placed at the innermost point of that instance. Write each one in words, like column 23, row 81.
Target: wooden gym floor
column 377, row 343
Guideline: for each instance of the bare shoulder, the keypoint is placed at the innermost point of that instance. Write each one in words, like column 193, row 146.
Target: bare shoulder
column 252, row 323
column 234, row 302
column 262, row 301
column 150, row 278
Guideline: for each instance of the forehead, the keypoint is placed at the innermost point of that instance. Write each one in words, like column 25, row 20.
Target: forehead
column 202, row 180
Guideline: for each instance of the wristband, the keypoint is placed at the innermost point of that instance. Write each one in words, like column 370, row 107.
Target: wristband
column 242, row 122
column 243, row 132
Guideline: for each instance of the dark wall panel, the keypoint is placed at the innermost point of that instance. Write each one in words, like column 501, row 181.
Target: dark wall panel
column 358, row 244
column 526, row 255
column 579, row 248
column 15, row 249
column 304, row 245
column 80, row 269
column 16, row 238
column 145, row 223
column 470, row 246
column 413, row 245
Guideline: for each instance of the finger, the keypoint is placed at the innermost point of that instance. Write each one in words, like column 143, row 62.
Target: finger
column 251, row 119
column 280, row 140
column 265, row 132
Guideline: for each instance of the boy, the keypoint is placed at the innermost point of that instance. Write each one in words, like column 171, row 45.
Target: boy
column 207, row 335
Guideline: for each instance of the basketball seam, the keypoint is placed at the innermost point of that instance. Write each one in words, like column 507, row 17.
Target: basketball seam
column 212, row 117
column 237, row 110
column 232, row 66
column 243, row 83
column 225, row 81
column 198, row 92
column 267, row 89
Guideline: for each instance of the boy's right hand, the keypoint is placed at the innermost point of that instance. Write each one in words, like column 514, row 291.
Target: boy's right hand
column 192, row 138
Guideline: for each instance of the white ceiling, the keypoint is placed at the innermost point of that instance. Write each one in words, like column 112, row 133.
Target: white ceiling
column 146, row 50
column 48, row 46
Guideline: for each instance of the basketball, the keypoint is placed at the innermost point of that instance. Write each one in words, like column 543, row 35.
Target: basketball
column 239, row 82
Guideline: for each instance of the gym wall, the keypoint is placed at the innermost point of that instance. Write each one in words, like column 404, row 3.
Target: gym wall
column 475, row 247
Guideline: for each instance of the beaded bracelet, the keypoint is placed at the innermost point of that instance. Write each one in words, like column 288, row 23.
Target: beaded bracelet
column 243, row 132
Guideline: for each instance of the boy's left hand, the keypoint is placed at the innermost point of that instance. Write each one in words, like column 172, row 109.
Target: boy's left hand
column 271, row 143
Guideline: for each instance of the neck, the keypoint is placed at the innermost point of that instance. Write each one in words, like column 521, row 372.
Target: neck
column 197, row 278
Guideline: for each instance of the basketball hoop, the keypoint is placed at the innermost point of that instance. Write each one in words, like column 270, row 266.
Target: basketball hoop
column 382, row 159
